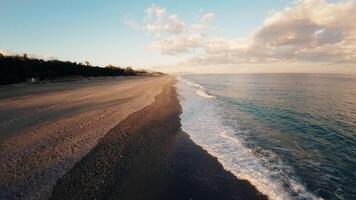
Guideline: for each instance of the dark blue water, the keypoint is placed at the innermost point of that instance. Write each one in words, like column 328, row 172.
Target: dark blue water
column 301, row 129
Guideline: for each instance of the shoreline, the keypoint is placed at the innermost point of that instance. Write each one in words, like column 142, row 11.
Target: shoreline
column 147, row 156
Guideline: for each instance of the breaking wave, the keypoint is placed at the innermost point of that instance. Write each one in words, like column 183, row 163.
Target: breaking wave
column 200, row 90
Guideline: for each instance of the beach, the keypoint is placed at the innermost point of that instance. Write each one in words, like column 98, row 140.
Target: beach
column 47, row 128
column 106, row 139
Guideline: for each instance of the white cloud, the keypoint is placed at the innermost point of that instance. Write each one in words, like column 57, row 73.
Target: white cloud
column 176, row 44
column 155, row 12
column 131, row 23
column 172, row 35
column 204, row 21
column 158, row 21
column 207, row 17
column 309, row 31
column 199, row 27
column 174, row 25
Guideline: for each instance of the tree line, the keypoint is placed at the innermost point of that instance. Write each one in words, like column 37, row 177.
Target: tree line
column 16, row 69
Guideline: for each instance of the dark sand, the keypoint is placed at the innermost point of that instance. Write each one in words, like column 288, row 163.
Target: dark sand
column 147, row 156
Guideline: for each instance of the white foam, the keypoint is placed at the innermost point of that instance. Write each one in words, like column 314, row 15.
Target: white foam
column 200, row 90
column 206, row 129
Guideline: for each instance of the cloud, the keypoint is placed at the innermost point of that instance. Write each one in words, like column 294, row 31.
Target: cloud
column 172, row 35
column 158, row 21
column 172, row 25
column 155, row 12
column 132, row 24
column 313, row 31
column 199, row 27
column 177, row 44
column 203, row 24
column 309, row 31
column 207, row 17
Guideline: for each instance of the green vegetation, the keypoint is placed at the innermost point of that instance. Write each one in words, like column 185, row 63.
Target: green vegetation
column 16, row 69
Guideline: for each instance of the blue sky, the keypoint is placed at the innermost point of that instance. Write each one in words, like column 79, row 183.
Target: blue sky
column 96, row 30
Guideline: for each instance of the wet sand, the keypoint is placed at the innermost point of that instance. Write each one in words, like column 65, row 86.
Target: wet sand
column 46, row 128
column 147, row 156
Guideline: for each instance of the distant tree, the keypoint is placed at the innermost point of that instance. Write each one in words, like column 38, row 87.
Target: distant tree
column 14, row 69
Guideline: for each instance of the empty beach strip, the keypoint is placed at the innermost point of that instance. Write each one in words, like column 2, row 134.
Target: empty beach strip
column 105, row 138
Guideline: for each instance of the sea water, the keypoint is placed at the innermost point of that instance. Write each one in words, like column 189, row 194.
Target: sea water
column 292, row 136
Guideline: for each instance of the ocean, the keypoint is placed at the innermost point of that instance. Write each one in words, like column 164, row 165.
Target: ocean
column 292, row 136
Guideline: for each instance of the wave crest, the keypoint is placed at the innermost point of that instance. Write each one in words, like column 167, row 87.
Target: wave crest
column 200, row 90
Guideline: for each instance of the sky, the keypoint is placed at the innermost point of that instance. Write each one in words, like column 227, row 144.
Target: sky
column 200, row 36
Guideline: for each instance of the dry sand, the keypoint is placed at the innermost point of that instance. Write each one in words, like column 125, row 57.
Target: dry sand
column 45, row 129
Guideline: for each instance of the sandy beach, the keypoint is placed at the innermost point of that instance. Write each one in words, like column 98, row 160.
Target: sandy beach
column 105, row 139
column 47, row 128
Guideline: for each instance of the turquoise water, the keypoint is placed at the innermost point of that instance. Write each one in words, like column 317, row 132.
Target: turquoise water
column 293, row 136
